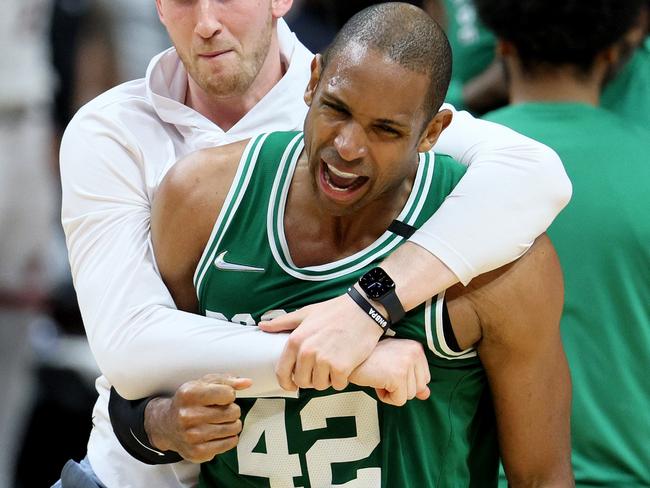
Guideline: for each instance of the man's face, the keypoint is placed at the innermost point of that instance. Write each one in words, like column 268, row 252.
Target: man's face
column 222, row 43
column 364, row 128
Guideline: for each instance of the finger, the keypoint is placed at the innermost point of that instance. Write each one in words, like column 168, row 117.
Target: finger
column 205, row 452
column 321, row 376
column 397, row 395
column 212, row 432
column 339, row 379
column 216, row 414
column 303, row 371
column 422, row 375
column 227, row 379
column 213, row 394
column 411, row 384
column 285, row 322
column 423, row 394
column 284, row 368
column 385, row 396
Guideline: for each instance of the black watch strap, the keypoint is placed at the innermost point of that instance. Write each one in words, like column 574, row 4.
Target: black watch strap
column 371, row 311
column 127, row 420
column 393, row 306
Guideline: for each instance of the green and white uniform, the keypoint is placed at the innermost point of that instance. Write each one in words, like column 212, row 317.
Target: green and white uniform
column 628, row 95
column 602, row 241
column 332, row 438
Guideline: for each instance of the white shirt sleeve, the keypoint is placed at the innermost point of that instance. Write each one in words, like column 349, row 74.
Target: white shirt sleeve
column 141, row 342
column 513, row 189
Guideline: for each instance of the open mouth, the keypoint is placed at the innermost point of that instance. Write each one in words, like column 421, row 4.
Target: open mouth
column 340, row 183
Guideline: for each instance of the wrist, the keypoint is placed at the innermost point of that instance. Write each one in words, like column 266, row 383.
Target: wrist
column 156, row 414
column 380, row 308
column 418, row 274
column 381, row 322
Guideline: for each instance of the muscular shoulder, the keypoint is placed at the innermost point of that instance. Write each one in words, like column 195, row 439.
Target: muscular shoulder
column 184, row 210
column 202, row 175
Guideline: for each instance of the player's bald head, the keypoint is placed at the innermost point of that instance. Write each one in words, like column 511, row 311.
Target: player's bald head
column 406, row 35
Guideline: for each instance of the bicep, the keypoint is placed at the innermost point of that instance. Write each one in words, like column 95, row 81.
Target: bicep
column 177, row 244
column 521, row 350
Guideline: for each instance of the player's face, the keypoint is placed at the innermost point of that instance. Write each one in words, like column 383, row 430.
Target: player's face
column 222, row 43
column 365, row 127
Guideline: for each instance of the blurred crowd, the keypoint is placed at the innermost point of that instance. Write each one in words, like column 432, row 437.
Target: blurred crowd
column 56, row 55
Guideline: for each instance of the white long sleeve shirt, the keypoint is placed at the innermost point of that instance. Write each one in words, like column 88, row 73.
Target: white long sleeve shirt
column 116, row 151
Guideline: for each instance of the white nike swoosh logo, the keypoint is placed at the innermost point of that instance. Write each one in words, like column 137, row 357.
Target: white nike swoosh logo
column 221, row 264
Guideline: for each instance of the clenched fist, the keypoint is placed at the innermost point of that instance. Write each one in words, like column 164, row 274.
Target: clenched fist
column 200, row 421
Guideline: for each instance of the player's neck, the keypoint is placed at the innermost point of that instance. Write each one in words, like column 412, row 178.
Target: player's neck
column 556, row 86
column 315, row 236
column 226, row 111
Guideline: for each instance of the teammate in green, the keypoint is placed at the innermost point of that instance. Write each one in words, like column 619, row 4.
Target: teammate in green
column 302, row 217
column 602, row 237
column 628, row 94
column 477, row 82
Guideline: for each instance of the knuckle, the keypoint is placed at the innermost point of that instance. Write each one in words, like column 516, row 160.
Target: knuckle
column 237, row 427
column 185, row 391
column 234, row 411
column 192, row 437
column 202, row 453
column 302, row 382
column 308, row 351
column 184, row 417
column 294, row 341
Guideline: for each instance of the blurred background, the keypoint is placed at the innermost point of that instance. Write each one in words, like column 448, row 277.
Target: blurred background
column 55, row 56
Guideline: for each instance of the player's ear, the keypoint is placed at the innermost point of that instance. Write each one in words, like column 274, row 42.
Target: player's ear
column 159, row 9
column 279, row 8
column 433, row 130
column 316, row 68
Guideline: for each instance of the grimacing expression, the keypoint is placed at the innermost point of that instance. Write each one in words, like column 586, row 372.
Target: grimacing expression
column 223, row 44
column 364, row 128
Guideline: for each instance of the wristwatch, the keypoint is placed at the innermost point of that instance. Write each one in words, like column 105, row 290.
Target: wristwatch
column 378, row 286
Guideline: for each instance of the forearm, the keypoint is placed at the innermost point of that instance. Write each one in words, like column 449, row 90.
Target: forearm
column 141, row 343
column 512, row 191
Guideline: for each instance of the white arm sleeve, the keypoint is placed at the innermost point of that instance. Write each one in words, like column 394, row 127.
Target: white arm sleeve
column 513, row 189
column 142, row 344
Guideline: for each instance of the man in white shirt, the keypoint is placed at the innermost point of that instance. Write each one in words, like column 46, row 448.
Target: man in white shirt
column 237, row 70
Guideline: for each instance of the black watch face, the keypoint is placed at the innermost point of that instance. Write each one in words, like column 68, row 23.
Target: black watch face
column 376, row 283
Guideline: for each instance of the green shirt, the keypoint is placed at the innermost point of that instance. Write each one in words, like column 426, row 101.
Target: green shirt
column 331, row 438
column 629, row 93
column 603, row 241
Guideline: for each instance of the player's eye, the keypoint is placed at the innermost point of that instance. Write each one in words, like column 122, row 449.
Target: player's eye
column 387, row 129
column 335, row 107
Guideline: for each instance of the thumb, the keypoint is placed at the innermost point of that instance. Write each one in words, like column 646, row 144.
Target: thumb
column 235, row 382
column 288, row 321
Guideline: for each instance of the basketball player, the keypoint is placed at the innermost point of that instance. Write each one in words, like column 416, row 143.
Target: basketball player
column 556, row 83
column 302, row 217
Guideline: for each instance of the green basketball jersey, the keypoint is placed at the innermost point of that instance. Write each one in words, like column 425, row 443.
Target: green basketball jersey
column 628, row 95
column 602, row 239
column 331, row 438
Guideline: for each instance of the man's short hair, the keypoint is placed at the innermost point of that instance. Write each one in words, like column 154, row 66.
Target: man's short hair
column 550, row 33
column 406, row 35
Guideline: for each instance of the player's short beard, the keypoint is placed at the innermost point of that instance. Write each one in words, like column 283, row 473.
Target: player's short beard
column 232, row 84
